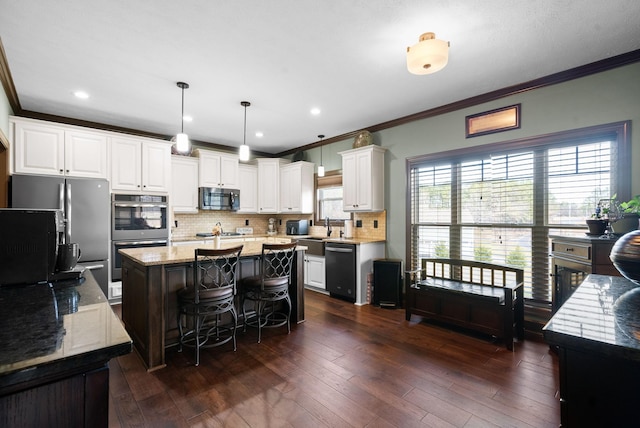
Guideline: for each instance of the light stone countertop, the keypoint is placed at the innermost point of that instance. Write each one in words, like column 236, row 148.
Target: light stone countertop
column 151, row 256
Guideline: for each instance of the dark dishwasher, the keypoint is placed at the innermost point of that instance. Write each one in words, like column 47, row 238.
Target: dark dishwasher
column 340, row 269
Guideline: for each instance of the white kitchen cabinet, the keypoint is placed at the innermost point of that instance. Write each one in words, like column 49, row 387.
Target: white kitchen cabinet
column 314, row 273
column 140, row 165
column 296, row 188
column 248, row 186
column 269, row 185
column 49, row 149
column 184, row 185
column 363, row 179
column 218, row 169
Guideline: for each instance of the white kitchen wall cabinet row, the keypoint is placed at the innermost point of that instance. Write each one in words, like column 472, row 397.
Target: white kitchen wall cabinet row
column 296, row 188
column 363, row 179
column 269, row 185
column 218, row 169
column 140, row 165
column 248, row 186
column 129, row 163
column 184, row 186
column 41, row 148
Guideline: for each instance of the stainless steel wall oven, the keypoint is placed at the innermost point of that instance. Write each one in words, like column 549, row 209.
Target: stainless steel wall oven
column 137, row 221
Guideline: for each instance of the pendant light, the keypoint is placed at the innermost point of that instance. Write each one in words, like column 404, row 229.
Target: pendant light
column 321, row 167
column 182, row 139
column 244, row 151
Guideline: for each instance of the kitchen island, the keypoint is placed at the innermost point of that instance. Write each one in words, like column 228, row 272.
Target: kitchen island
column 597, row 332
column 55, row 345
column 151, row 278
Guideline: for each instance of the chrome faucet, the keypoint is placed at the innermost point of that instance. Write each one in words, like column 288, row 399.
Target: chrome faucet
column 327, row 224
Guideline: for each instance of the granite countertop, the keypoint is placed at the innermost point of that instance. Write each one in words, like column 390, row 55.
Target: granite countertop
column 230, row 237
column 280, row 236
column 151, row 256
column 355, row 241
column 46, row 331
column 586, row 238
column 602, row 315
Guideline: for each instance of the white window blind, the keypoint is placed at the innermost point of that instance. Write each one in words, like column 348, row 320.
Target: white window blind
column 501, row 206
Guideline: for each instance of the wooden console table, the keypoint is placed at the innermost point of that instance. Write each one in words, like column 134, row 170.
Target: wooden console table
column 573, row 259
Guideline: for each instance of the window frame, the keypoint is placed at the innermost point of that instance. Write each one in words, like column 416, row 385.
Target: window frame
column 618, row 132
column 331, row 179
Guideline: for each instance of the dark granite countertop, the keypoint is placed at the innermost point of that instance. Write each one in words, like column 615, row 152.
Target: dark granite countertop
column 586, row 237
column 51, row 331
column 602, row 315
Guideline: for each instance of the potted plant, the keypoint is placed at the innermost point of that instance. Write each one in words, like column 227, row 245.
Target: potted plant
column 599, row 220
column 630, row 216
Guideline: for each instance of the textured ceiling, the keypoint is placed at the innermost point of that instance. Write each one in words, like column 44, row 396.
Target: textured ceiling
column 285, row 57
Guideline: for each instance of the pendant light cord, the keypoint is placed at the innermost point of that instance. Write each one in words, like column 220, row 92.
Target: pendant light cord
column 321, row 137
column 182, row 115
column 244, row 140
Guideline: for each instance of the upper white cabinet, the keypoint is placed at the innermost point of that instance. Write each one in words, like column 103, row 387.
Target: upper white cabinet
column 218, row 169
column 184, row 185
column 363, row 179
column 140, row 165
column 269, row 185
column 248, row 177
column 43, row 148
column 296, row 188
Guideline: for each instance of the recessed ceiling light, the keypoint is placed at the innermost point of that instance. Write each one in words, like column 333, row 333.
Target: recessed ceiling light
column 315, row 111
column 187, row 118
column 259, row 134
column 81, row 94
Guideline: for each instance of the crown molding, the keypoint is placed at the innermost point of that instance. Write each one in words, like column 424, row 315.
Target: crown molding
column 542, row 82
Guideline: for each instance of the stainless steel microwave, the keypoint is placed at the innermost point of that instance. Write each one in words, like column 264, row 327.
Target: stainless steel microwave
column 218, row 199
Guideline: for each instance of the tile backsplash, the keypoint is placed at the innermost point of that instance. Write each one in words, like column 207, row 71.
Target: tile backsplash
column 190, row 224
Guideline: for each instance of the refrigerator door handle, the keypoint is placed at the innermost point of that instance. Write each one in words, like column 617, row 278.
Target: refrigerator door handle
column 61, row 196
column 67, row 210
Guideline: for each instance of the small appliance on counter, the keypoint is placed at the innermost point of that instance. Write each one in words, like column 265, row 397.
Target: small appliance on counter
column 32, row 249
column 272, row 230
column 297, row 227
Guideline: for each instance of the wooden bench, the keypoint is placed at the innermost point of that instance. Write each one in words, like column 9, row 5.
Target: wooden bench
column 484, row 297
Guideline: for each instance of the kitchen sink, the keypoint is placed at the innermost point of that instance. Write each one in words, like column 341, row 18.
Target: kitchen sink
column 315, row 246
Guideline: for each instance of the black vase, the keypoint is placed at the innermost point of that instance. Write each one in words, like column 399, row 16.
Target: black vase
column 625, row 256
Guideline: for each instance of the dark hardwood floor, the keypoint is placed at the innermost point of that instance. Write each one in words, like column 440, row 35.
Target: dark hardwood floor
column 345, row 366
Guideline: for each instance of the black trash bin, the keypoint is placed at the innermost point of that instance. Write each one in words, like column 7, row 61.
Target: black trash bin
column 387, row 283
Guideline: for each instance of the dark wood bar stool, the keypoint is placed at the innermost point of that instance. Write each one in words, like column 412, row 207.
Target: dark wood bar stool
column 200, row 306
column 269, row 287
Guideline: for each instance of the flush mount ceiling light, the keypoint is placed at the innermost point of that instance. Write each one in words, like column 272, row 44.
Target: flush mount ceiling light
column 244, row 152
column 321, row 167
column 182, row 139
column 428, row 55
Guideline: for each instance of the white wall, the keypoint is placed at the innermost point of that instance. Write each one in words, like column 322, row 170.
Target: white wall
column 611, row 96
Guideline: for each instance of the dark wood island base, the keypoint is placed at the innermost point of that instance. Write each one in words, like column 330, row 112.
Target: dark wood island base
column 151, row 278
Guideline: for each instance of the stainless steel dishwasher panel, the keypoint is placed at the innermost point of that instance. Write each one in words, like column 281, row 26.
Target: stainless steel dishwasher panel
column 340, row 270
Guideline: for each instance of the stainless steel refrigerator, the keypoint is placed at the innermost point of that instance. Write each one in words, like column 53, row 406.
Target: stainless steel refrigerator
column 85, row 202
